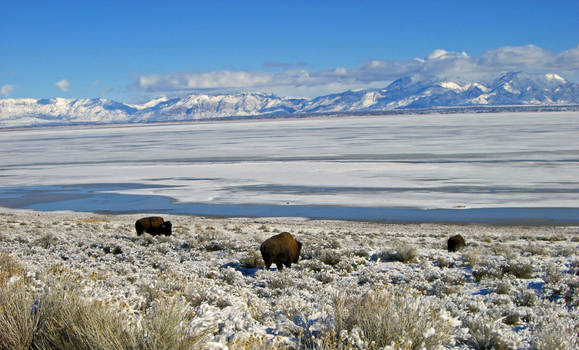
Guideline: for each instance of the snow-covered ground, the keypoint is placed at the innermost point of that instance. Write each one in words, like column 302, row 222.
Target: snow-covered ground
column 437, row 161
column 513, row 287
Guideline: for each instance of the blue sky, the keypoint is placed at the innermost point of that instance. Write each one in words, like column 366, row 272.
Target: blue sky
column 135, row 50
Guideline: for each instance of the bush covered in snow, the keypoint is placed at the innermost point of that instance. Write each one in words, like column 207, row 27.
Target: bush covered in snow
column 81, row 281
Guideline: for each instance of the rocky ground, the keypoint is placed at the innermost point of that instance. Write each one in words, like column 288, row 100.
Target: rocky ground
column 356, row 285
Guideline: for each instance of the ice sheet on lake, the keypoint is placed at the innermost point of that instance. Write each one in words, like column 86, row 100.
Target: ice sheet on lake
column 438, row 161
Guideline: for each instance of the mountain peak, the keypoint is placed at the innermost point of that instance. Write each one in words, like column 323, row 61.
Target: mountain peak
column 555, row 77
column 511, row 88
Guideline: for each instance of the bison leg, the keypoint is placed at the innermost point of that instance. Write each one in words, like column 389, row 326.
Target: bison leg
column 279, row 266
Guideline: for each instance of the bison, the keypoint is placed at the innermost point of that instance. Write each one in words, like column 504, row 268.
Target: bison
column 282, row 249
column 456, row 243
column 154, row 225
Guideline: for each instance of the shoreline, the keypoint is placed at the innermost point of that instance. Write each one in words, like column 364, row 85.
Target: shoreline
column 118, row 204
column 281, row 219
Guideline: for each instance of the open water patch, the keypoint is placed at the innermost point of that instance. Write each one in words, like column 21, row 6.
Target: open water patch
column 102, row 198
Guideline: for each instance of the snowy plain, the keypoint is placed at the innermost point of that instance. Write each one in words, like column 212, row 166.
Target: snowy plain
column 517, row 160
column 512, row 287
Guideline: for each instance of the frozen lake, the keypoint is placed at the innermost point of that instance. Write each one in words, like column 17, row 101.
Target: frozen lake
column 398, row 168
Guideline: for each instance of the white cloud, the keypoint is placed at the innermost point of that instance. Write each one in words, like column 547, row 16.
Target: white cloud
column 298, row 81
column 6, row 89
column 62, row 85
column 568, row 60
column 517, row 57
column 440, row 54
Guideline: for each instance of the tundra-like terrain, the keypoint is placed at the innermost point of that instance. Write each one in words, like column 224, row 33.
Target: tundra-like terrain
column 357, row 284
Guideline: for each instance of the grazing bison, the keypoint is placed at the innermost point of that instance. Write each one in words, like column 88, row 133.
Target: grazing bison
column 282, row 249
column 455, row 243
column 154, row 225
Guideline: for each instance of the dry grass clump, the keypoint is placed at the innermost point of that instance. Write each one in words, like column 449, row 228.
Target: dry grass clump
column 503, row 287
column 18, row 320
column 164, row 327
column 391, row 317
column 94, row 220
column 519, row 270
column 553, row 275
column 526, row 298
column 9, row 268
column 488, row 269
column 402, row 252
column 255, row 342
column 62, row 318
column 556, row 334
column 330, row 257
column 470, row 257
column 281, row 281
column 58, row 319
column 483, row 335
column 252, row 259
column 46, row 241
column 406, row 253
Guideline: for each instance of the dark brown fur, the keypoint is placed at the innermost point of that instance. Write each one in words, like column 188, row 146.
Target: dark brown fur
column 153, row 225
column 282, row 249
column 456, row 243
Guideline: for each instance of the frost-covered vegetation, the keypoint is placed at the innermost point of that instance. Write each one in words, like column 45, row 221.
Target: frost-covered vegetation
column 81, row 281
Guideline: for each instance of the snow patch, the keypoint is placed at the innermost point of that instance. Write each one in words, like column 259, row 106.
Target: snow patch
column 454, row 86
column 552, row 76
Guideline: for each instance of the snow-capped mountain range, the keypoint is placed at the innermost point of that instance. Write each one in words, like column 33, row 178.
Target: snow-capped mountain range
column 510, row 89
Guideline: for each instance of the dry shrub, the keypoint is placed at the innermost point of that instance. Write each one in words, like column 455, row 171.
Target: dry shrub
column 406, row 253
column 62, row 318
column 482, row 335
column 209, row 233
column 535, row 249
column 68, row 321
column 165, row 327
column 46, row 241
column 443, row 262
column 402, row 252
column 281, row 281
column 553, row 275
column 58, row 319
column 94, row 220
column 470, row 258
column 519, row 270
column 330, row 257
column 489, row 268
column 252, row 259
column 503, row 287
column 253, row 341
column 9, row 268
column 18, row 320
column 392, row 316
column 556, row 334
column 526, row 298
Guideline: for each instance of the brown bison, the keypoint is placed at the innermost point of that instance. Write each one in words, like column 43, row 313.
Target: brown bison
column 154, row 225
column 282, row 249
column 456, row 243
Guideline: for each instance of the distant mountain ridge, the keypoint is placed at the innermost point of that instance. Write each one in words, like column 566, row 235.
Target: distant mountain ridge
column 408, row 93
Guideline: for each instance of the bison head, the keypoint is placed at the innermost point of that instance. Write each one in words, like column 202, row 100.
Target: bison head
column 167, row 228
column 299, row 251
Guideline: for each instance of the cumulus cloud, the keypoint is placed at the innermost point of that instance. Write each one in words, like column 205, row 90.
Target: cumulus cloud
column 297, row 80
column 6, row 89
column 568, row 60
column 62, row 85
